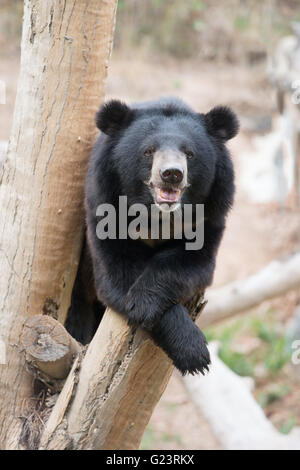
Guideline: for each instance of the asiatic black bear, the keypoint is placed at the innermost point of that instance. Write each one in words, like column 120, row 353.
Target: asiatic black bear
column 156, row 154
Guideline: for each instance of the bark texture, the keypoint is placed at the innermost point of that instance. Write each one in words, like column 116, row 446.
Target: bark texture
column 107, row 403
column 64, row 56
column 109, row 397
column 49, row 349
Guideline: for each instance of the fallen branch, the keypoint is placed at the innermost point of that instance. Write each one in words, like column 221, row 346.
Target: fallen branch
column 111, row 391
column 226, row 402
column 50, row 350
column 120, row 380
column 274, row 280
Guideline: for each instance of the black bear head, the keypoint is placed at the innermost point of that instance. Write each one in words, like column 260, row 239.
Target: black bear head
column 165, row 152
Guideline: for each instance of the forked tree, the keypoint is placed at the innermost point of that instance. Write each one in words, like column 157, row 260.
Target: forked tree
column 107, row 398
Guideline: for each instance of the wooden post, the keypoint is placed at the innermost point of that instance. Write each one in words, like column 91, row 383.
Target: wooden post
column 64, row 56
column 50, row 350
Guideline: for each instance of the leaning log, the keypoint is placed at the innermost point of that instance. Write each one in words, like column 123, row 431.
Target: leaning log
column 224, row 399
column 277, row 278
column 64, row 54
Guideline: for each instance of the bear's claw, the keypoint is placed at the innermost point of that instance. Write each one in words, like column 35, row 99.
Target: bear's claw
column 182, row 341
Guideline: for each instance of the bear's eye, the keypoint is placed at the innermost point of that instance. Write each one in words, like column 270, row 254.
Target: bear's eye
column 189, row 153
column 149, row 151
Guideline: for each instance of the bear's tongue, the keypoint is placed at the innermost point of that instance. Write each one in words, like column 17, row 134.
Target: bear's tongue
column 164, row 195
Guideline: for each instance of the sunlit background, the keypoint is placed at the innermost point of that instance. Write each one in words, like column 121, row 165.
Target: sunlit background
column 245, row 54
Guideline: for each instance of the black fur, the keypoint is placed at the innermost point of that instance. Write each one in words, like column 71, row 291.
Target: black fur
column 113, row 116
column 150, row 285
column 221, row 122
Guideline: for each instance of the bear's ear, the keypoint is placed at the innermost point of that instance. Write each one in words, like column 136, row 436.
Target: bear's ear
column 113, row 116
column 221, row 122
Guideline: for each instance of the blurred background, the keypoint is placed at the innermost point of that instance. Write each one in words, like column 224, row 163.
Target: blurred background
column 246, row 54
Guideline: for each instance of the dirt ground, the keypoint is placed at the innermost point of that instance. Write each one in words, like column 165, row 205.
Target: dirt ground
column 255, row 233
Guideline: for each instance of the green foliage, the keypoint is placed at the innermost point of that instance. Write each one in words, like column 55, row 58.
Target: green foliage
column 272, row 354
column 177, row 84
column 121, row 5
column 172, row 407
column 272, row 395
column 277, row 355
column 157, row 3
column 148, row 439
column 198, row 5
column 167, row 437
column 288, row 425
column 265, row 331
column 236, row 361
column 198, row 27
column 169, row 26
column 241, row 23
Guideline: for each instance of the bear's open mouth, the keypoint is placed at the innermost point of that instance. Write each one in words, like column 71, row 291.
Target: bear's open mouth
column 169, row 195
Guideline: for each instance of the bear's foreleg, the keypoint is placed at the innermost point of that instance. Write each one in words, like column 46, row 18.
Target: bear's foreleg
column 182, row 340
column 173, row 275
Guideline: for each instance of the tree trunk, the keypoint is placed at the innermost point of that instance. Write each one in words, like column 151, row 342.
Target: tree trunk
column 65, row 51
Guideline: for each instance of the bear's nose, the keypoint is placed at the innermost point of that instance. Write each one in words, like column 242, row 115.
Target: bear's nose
column 171, row 175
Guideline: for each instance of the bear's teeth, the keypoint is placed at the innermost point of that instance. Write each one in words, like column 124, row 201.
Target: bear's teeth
column 169, row 196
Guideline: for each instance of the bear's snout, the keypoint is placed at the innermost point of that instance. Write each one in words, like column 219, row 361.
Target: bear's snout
column 171, row 175
column 169, row 167
column 168, row 178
